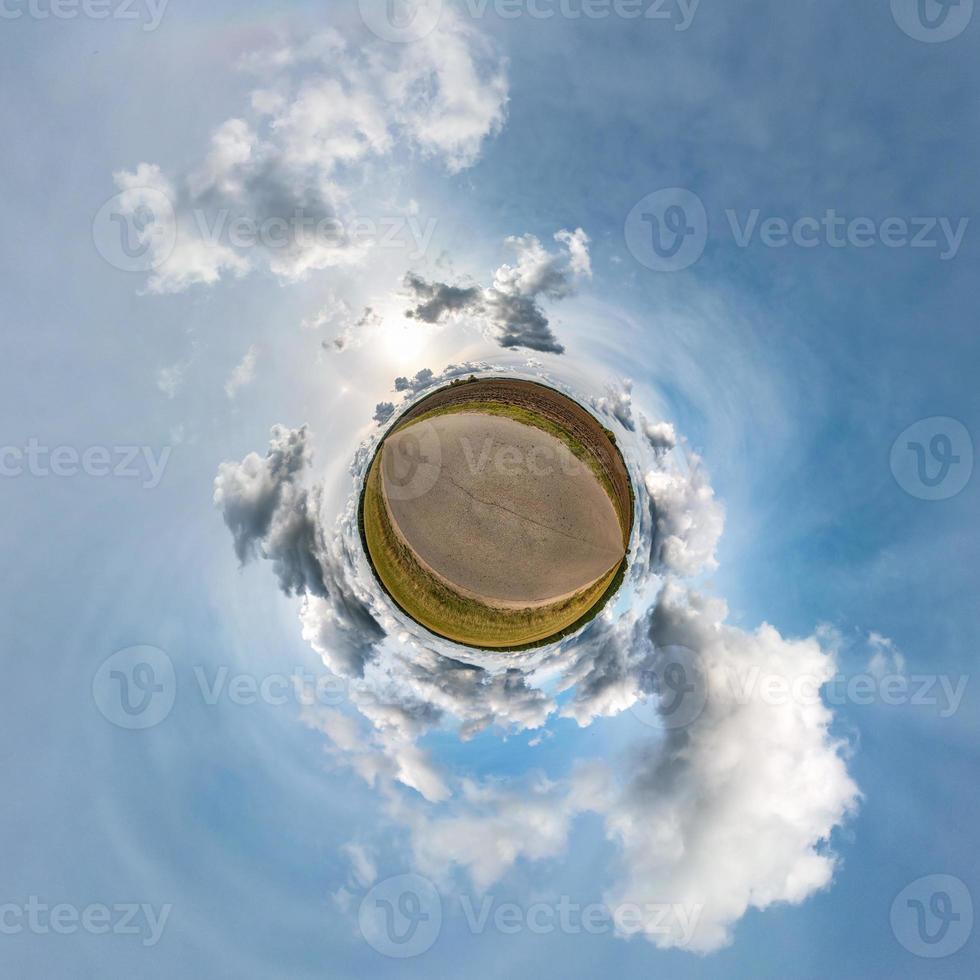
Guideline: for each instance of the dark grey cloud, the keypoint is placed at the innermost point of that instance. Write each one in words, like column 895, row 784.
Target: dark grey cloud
column 511, row 304
column 267, row 511
column 271, row 515
column 383, row 411
column 438, row 299
column 427, row 378
column 518, row 321
column 413, row 385
column 521, row 322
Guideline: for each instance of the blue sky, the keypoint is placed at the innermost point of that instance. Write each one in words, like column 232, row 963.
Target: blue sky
column 789, row 372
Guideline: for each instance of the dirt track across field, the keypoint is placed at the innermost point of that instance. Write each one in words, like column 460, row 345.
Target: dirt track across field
column 551, row 405
column 509, row 516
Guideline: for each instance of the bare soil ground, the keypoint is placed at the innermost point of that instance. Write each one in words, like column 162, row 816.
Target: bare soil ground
column 513, row 517
column 545, row 402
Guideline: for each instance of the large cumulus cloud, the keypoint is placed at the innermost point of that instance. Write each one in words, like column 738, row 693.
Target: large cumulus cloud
column 278, row 186
column 269, row 512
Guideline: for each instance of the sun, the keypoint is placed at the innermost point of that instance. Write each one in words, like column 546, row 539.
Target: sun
column 400, row 338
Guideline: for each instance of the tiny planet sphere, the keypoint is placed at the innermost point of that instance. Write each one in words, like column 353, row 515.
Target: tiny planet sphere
column 497, row 514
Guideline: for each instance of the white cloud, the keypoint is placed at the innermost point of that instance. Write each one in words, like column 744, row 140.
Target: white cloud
column 171, row 379
column 660, row 435
column 732, row 811
column 243, row 373
column 363, row 868
column 277, row 185
column 330, row 313
column 380, row 756
column 736, row 810
column 356, row 331
column 451, row 91
column 885, row 658
column 617, row 404
column 689, row 519
column 491, row 828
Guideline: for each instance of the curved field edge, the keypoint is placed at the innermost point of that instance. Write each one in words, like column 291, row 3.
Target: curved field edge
column 444, row 612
